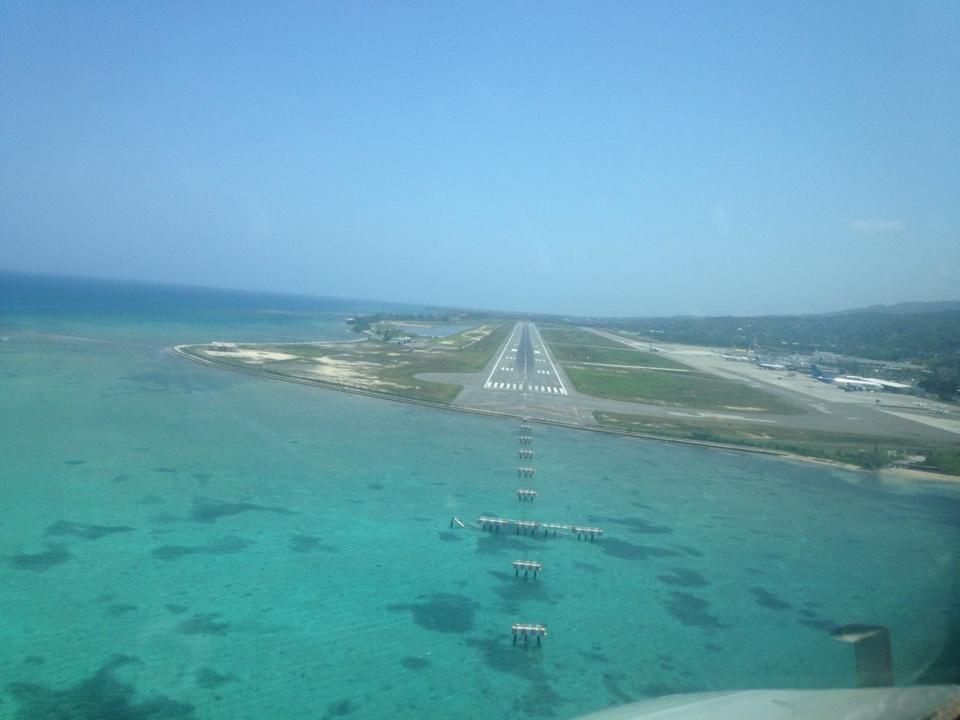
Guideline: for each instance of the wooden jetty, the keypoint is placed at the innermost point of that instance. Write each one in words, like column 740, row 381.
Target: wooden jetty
column 528, row 566
column 555, row 527
column 526, row 630
column 524, row 494
column 525, row 454
column 526, row 439
column 524, row 471
column 586, row 532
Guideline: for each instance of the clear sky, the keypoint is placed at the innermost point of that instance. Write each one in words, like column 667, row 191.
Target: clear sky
column 634, row 158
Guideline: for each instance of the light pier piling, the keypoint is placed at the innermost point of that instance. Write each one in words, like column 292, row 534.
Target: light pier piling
column 525, row 454
column 527, row 630
column 587, row 532
column 526, row 495
column 493, row 524
column 528, row 566
column 525, row 471
column 525, row 527
column 526, row 439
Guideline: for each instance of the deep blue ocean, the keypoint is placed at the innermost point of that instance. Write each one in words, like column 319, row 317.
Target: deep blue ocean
column 179, row 541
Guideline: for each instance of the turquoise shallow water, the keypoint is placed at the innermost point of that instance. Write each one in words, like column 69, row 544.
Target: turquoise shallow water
column 178, row 541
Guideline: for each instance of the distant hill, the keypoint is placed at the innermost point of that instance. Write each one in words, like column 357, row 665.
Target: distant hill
column 904, row 308
column 887, row 334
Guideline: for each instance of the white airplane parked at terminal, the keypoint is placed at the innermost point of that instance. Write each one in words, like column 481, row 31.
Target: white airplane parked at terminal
column 771, row 366
column 855, row 382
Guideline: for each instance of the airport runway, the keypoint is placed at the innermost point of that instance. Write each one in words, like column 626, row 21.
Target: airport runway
column 524, row 365
column 523, row 379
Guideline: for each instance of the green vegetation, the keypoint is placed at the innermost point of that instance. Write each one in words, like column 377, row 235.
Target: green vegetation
column 371, row 366
column 943, row 378
column 576, row 336
column 693, row 389
column 613, row 356
column 470, row 358
column 649, row 377
column 369, row 323
column 865, row 451
column 579, row 346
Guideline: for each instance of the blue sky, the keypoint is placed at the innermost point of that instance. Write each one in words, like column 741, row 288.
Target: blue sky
column 635, row 158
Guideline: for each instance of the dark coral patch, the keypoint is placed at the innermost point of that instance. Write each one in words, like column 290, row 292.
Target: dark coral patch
column 635, row 525
column 87, row 532
column 629, row 551
column 99, row 697
column 818, row 624
column 204, row 624
column 540, row 700
column 692, row 611
column 448, row 536
column 224, row 546
column 500, row 655
column 506, row 542
column 684, row 578
column 304, row 543
column 119, row 609
column 768, row 600
column 74, row 462
column 206, row 510
column 56, row 554
column 415, row 663
column 340, row 708
column 309, row 543
column 210, row 679
column 441, row 612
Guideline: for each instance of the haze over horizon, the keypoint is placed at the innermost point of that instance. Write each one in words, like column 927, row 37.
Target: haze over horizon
column 611, row 159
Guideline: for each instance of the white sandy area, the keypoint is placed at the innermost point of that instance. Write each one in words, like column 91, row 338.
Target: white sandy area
column 902, row 477
column 923, row 475
column 348, row 372
column 474, row 334
column 258, row 356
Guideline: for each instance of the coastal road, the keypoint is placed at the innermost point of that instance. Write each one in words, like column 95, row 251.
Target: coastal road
column 524, row 365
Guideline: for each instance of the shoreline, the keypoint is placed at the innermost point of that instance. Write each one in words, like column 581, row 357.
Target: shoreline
column 900, row 474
